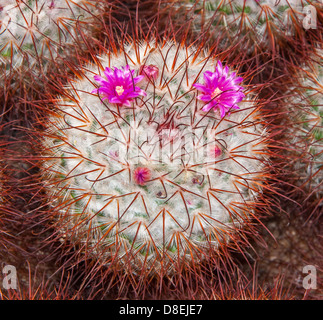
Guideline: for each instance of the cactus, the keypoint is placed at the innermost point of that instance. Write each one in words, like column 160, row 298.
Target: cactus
column 316, row 133
column 261, row 18
column 132, row 181
column 157, row 160
column 310, row 129
column 35, row 31
column 265, row 27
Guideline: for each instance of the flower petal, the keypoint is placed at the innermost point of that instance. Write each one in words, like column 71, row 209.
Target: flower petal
column 118, row 85
column 220, row 89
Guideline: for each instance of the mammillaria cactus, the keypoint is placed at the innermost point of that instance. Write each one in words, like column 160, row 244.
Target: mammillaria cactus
column 34, row 31
column 263, row 25
column 260, row 16
column 158, row 160
column 310, row 129
column 155, row 157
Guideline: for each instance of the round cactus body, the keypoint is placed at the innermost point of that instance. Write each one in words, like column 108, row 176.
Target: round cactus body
column 155, row 157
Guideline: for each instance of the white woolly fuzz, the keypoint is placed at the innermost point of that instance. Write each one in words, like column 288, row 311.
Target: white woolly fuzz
column 206, row 172
column 38, row 28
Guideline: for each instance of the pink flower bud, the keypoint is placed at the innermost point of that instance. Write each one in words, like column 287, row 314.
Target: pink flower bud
column 150, row 72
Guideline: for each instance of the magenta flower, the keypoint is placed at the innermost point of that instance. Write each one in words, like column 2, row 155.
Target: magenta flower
column 220, row 90
column 142, row 175
column 119, row 86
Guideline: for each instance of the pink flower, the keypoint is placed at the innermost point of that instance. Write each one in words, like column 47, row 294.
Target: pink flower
column 119, row 86
column 141, row 175
column 220, row 90
column 150, row 72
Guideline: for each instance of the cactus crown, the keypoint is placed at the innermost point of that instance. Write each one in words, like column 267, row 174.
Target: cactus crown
column 141, row 172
